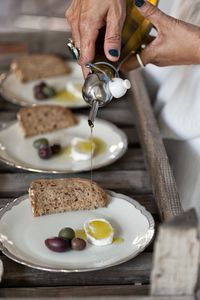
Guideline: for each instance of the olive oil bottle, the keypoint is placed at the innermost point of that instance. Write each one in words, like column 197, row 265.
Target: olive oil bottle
column 135, row 30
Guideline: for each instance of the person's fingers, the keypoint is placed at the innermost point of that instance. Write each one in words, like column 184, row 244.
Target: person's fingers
column 72, row 15
column 85, row 70
column 151, row 12
column 87, row 45
column 76, row 34
column 88, row 36
column 112, row 41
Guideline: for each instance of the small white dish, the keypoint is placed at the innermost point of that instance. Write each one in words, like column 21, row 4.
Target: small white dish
column 19, row 152
column 22, row 93
column 22, row 236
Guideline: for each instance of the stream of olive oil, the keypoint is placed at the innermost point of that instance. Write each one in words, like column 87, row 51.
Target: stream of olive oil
column 91, row 154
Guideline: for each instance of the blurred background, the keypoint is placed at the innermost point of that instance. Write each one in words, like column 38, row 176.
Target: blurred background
column 22, row 15
column 37, row 26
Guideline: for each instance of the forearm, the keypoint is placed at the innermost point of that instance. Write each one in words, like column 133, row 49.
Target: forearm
column 197, row 47
column 177, row 42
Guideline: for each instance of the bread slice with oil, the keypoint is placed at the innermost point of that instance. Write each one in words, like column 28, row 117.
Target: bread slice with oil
column 36, row 66
column 49, row 196
column 44, row 118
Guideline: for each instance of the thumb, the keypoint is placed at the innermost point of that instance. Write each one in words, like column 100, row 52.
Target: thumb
column 150, row 12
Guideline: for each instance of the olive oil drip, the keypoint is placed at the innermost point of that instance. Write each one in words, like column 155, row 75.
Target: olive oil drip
column 91, row 154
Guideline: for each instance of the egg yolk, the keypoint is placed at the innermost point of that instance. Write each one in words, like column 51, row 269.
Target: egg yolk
column 85, row 146
column 99, row 229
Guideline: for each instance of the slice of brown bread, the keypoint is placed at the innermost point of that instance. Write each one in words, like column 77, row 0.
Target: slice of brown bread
column 49, row 196
column 36, row 66
column 44, row 118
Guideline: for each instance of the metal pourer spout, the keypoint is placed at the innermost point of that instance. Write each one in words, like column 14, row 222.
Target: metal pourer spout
column 93, row 113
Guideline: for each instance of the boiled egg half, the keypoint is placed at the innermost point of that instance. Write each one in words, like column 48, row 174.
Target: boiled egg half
column 82, row 149
column 75, row 88
column 99, row 232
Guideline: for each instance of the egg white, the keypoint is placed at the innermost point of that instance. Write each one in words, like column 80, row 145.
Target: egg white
column 98, row 242
column 78, row 155
column 74, row 89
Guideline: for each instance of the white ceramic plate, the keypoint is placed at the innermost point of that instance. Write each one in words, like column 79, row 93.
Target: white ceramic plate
column 19, row 152
column 22, row 93
column 22, row 235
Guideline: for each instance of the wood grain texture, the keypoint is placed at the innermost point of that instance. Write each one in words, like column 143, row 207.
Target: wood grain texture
column 119, row 117
column 87, row 291
column 176, row 256
column 136, row 270
column 162, row 179
column 127, row 176
column 16, row 184
column 34, row 295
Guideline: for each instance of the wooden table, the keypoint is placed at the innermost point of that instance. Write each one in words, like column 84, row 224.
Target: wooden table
column 129, row 176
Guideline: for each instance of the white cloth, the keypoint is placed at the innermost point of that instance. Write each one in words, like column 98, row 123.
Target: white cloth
column 178, row 101
column 185, row 162
column 177, row 107
column 178, row 104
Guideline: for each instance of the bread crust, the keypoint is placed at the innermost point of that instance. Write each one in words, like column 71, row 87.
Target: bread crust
column 44, row 118
column 49, row 196
column 36, row 66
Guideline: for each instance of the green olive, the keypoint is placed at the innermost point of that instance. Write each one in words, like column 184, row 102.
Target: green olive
column 48, row 91
column 66, row 233
column 43, row 141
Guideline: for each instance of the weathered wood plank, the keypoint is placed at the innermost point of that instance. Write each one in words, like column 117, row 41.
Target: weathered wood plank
column 92, row 293
column 136, row 270
column 132, row 136
column 176, row 256
column 163, row 183
column 7, row 106
column 51, row 42
column 87, row 291
column 147, row 201
column 119, row 181
column 121, row 117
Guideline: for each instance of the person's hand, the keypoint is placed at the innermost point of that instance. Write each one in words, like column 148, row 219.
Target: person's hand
column 177, row 42
column 86, row 17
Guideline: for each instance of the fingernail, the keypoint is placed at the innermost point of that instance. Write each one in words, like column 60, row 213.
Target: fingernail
column 139, row 3
column 114, row 52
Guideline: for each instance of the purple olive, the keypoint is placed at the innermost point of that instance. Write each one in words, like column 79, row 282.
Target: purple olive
column 56, row 148
column 57, row 244
column 40, row 95
column 44, row 152
column 37, row 89
column 42, row 84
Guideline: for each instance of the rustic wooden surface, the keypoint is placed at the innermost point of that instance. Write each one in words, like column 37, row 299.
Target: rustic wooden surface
column 162, row 179
column 128, row 176
column 176, row 256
